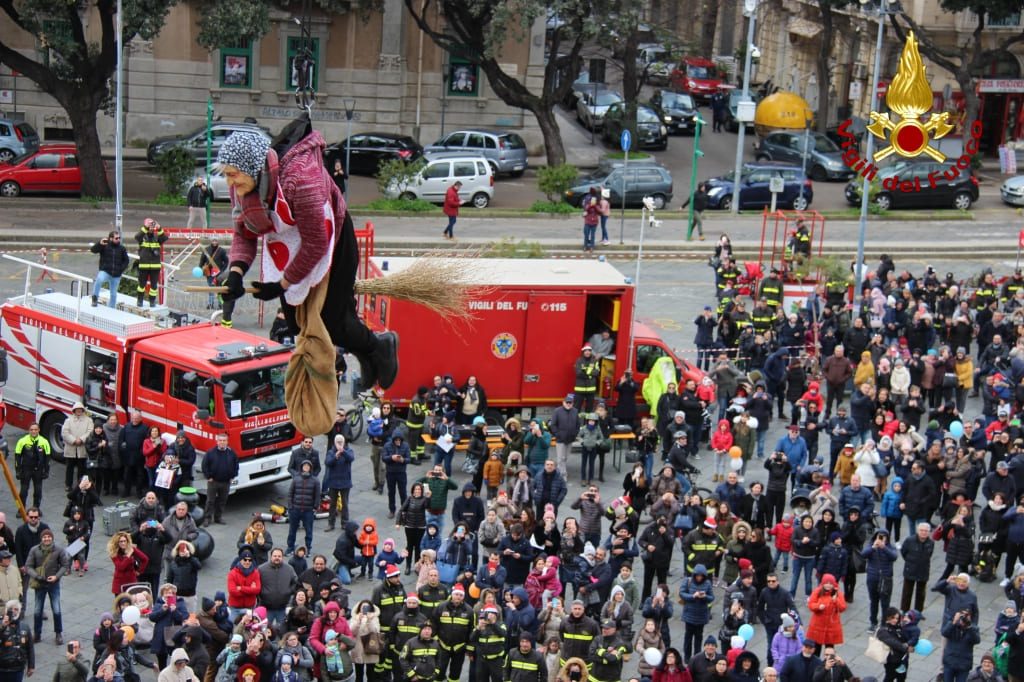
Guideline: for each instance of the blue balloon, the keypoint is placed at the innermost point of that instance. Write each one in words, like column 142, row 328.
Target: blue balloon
column 197, row 272
column 924, row 646
column 746, row 631
column 957, row 429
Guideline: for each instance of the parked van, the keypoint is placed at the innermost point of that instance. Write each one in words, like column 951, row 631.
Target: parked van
column 440, row 173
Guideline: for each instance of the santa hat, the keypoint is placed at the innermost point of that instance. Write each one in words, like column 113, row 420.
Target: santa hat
column 412, row 596
column 391, row 571
column 458, row 588
column 710, row 523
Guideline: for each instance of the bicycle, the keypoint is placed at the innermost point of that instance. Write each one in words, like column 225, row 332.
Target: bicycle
column 360, row 413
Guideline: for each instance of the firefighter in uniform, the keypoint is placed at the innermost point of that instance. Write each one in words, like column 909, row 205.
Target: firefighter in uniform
column 587, row 373
column 762, row 316
column 418, row 410
column 406, row 625
column 1011, row 286
column 985, row 293
column 703, row 546
column 606, row 654
column 800, row 243
column 432, row 595
column 32, row 464
column 150, row 238
column 486, row 648
column 835, row 294
column 419, row 655
column 740, row 316
column 577, row 631
column 453, row 621
column 725, row 300
column 525, row 662
column 771, row 289
column 727, row 276
column 388, row 597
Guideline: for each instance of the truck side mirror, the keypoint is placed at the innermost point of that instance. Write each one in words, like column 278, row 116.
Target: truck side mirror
column 3, row 366
column 203, row 402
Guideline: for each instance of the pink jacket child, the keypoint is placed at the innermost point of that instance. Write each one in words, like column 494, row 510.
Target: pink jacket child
column 543, row 581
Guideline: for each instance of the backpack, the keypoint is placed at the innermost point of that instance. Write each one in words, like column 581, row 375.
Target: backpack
column 1001, row 653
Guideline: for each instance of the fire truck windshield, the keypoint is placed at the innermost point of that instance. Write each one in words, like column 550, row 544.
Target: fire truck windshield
column 258, row 391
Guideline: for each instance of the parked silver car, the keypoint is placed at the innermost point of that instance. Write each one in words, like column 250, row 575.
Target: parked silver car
column 194, row 142
column 592, row 106
column 821, row 157
column 16, row 138
column 505, row 151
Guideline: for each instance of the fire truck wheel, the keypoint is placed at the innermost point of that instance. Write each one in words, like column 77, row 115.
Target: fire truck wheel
column 50, row 426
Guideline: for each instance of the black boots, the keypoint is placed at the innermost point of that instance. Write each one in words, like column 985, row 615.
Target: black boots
column 380, row 366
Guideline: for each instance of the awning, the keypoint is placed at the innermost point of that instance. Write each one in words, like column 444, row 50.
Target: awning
column 804, row 28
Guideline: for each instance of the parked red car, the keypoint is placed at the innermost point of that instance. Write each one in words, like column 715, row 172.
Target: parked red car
column 51, row 168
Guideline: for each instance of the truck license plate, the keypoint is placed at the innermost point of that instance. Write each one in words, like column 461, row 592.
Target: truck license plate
column 272, row 464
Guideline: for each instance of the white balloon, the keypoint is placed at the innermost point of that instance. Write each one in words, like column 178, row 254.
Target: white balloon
column 735, row 463
column 130, row 615
column 752, row 422
column 652, row 656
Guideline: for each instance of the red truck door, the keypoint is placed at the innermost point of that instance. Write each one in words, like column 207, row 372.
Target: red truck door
column 553, row 329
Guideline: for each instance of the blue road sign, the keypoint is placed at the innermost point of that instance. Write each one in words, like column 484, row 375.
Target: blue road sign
column 625, row 141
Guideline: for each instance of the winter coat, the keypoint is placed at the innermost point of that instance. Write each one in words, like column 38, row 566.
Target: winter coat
column 958, row 647
column 244, row 586
column 338, row 468
column 891, row 500
column 917, row 558
column 959, row 541
column 783, row 647
column 956, row 600
column 304, row 493
column 879, row 561
column 165, row 618
column 76, row 427
column 697, row 610
column 826, row 625
column 921, row 497
column 184, row 572
column 833, row 560
column 363, row 624
column 127, row 569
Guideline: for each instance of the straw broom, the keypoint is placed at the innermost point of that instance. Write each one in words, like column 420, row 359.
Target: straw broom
column 440, row 282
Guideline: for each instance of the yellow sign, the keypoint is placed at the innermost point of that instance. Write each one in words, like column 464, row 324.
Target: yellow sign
column 910, row 96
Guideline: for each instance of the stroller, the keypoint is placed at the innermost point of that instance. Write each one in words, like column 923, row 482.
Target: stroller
column 985, row 562
column 746, row 283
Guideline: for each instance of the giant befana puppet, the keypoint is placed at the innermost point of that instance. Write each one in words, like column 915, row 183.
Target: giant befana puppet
column 282, row 194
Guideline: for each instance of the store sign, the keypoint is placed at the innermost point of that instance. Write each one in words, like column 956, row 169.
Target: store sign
column 994, row 85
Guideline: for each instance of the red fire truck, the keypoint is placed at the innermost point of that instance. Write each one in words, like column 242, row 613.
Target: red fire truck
column 199, row 377
column 531, row 318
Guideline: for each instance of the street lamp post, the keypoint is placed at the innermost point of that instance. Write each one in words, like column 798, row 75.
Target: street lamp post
column 209, row 151
column 119, row 126
column 350, row 110
column 750, row 9
column 697, row 154
column 803, row 158
column 865, row 187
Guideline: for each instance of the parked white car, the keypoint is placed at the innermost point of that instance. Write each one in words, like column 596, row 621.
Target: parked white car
column 441, row 172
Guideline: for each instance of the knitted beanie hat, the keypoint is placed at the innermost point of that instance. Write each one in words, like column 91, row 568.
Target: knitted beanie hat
column 245, row 151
